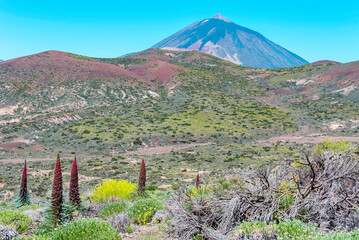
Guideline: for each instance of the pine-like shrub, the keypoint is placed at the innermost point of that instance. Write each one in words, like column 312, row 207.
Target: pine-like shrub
column 112, row 208
column 23, row 198
column 57, row 194
column 74, row 195
column 143, row 210
column 113, row 190
column 142, row 177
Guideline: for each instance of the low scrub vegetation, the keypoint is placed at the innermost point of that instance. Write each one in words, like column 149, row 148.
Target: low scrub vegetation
column 312, row 196
column 112, row 208
column 143, row 210
column 83, row 230
column 113, row 190
column 15, row 219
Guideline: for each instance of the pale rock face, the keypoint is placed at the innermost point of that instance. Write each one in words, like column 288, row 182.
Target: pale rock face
column 7, row 233
column 224, row 39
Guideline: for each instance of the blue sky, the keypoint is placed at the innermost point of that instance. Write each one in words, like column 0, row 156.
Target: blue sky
column 314, row 30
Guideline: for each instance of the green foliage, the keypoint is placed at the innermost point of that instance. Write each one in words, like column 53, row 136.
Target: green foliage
column 285, row 229
column 286, row 194
column 202, row 190
column 341, row 236
column 295, row 230
column 143, row 210
column 82, row 230
column 112, row 208
column 48, row 225
column 129, row 229
column 29, row 207
column 151, row 187
column 113, row 190
column 15, row 219
column 292, row 230
column 334, row 146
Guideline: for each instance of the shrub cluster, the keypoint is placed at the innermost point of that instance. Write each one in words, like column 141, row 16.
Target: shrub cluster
column 112, row 208
column 143, row 210
column 15, row 219
column 83, row 230
column 113, row 190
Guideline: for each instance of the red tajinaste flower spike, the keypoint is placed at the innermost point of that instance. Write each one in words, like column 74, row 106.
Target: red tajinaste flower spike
column 74, row 195
column 142, row 177
column 23, row 198
column 57, row 193
column 197, row 181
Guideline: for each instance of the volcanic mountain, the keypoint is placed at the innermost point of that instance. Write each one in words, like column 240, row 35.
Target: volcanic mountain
column 224, row 39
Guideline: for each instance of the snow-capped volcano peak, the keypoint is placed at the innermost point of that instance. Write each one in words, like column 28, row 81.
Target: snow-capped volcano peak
column 224, row 39
column 220, row 17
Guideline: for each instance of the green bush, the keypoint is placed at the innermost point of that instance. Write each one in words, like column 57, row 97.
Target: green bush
column 143, row 210
column 112, row 208
column 16, row 220
column 284, row 230
column 151, row 187
column 342, row 235
column 334, row 146
column 293, row 230
column 83, row 230
column 113, row 190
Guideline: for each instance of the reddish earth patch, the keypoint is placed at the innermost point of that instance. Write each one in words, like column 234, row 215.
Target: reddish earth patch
column 284, row 91
column 21, row 160
column 156, row 69
column 267, row 100
column 35, row 147
column 11, row 145
column 340, row 75
column 55, row 65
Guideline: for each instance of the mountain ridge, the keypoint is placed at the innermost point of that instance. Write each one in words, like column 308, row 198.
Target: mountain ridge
column 220, row 37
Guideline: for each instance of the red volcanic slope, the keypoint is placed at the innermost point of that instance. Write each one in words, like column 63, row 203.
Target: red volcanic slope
column 58, row 66
column 156, row 69
column 324, row 62
column 346, row 73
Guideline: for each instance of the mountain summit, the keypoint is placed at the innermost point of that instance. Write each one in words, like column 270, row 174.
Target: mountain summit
column 222, row 38
column 220, row 17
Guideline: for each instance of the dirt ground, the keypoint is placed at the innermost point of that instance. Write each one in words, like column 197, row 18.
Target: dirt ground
column 165, row 149
column 310, row 139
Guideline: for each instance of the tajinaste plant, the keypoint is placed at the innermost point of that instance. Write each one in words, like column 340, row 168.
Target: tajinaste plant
column 74, row 195
column 24, row 197
column 142, row 177
column 57, row 194
column 197, row 181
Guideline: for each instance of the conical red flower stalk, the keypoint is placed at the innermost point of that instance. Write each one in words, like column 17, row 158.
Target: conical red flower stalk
column 74, row 195
column 57, row 194
column 142, row 177
column 23, row 198
column 197, row 181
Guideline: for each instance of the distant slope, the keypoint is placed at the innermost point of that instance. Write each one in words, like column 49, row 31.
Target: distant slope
column 59, row 66
column 227, row 40
column 161, row 96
